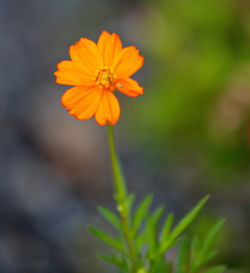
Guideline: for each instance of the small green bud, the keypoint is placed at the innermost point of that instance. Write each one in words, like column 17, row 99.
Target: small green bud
column 120, row 208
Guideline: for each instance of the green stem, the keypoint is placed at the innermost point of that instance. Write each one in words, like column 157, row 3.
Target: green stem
column 120, row 184
column 121, row 198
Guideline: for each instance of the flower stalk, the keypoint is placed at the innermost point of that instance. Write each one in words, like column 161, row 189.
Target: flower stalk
column 121, row 198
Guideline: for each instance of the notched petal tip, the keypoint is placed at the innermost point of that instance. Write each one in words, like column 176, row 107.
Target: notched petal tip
column 108, row 110
column 114, row 122
column 109, row 45
column 128, row 62
column 64, row 104
column 100, row 123
column 104, row 32
column 77, row 117
column 86, row 53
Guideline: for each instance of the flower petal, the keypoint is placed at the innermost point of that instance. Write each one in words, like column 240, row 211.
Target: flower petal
column 129, row 87
column 73, row 95
column 127, row 62
column 87, row 55
column 82, row 101
column 70, row 73
column 110, row 45
column 108, row 110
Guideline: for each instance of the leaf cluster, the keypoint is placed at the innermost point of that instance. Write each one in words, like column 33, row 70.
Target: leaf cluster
column 151, row 237
column 195, row 255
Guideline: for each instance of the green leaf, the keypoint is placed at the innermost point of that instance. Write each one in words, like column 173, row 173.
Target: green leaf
column 183, row 256
column 205, row 253
column 153, row 224
column 166, row 227
column 194, row 251
column 155, row 218
column 110, row 217
column 211, row 237
column 210, row 256
column 195, row 247
column 100, row 234
column 141, row 213
column 183, row 224
column 158, row 265
column 151, row 228
column 187, row 220
column 115, row 260
column 141, row 240
column 148, row 236
column 216, row 269
column 202, row 254
column 194, row 264
column 131, row 199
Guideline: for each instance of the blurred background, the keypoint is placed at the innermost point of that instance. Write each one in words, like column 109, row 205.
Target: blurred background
column 187, row 136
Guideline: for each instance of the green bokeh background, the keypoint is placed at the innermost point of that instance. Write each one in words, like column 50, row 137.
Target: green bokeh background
column 195, row 113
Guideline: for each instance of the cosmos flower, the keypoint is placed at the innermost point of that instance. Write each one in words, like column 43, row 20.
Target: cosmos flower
column 95, row 71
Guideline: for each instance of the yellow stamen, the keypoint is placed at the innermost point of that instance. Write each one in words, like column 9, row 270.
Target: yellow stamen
column 105, row 78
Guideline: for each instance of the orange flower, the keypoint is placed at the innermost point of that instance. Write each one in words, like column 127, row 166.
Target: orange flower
column 96, row 71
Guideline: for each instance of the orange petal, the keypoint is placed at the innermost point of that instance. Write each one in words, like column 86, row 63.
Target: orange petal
column 70, row 73
column 127, row 62
column 108, row 110
column 87, row 55
column 82, row 101
column 75, row 94
column 129, row 87
column 110, row 45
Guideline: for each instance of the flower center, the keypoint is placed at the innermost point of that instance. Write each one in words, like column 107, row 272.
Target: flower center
column 105, row 78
